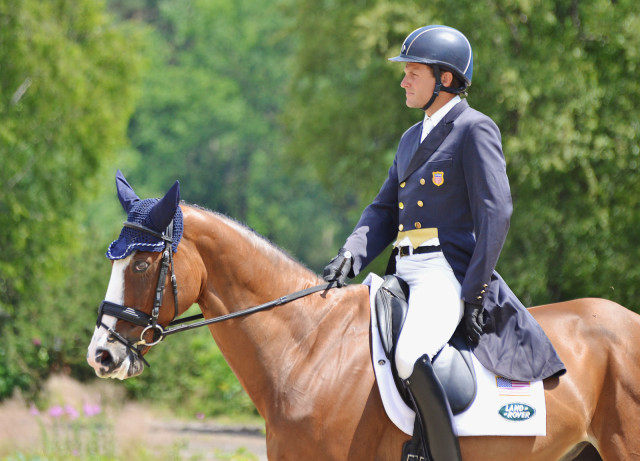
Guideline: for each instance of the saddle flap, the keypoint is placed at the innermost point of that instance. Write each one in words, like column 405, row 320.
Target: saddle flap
column 452, row 365
column 391, row 310
column 454, row 369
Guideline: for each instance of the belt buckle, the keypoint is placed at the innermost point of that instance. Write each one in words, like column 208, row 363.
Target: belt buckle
column 405, row 251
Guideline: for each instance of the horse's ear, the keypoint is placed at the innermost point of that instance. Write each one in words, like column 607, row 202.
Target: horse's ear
column 127, row 196
column 163, row 212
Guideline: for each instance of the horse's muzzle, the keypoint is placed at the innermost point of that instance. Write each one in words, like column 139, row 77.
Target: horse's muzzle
column 115, row 361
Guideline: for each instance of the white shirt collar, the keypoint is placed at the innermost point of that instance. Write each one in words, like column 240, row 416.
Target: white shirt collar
column 439, row 115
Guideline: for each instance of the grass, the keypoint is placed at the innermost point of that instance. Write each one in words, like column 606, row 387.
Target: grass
column 66, row 426
column 66, row 434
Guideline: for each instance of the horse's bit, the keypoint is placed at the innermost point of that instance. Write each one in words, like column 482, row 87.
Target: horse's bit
column 150, row 322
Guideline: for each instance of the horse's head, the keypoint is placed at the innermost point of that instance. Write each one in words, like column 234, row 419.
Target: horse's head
column 142, row 297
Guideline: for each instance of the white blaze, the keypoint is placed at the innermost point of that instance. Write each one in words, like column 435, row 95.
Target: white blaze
column 115, row 294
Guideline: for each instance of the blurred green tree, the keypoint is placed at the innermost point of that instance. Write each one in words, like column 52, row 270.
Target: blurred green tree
column 558, row 77
column 67, row 85
column 228, row 86
column 210, row 117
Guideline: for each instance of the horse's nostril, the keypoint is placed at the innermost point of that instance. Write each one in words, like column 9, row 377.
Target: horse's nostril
column 103, row 357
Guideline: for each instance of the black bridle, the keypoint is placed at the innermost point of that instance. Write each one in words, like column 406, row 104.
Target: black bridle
column 150, row 322
column 135, row 316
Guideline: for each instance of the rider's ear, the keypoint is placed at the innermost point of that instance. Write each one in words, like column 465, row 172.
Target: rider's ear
column 447, row 79
column 163, row 212
column 127, row 196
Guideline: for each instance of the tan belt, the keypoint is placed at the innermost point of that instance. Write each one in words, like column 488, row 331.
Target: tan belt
column 417, row 236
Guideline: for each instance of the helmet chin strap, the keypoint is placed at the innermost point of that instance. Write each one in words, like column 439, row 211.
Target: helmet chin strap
column 436, row 89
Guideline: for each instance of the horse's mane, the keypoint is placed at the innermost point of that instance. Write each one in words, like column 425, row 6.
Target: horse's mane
column 260, row 242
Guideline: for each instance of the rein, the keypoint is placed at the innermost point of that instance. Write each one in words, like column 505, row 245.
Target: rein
column 250, row 310
column 150, row 322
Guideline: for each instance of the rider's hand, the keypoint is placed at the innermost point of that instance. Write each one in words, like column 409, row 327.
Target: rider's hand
column 473, row 321
column 339, row 267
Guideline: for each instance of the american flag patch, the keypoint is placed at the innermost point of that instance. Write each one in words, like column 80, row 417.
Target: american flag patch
column 512, row 387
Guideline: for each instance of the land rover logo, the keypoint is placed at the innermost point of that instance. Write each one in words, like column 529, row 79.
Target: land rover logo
column 517, row 412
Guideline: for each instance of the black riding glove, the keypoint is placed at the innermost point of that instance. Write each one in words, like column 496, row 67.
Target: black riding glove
column 339, row 267
column 473, row 321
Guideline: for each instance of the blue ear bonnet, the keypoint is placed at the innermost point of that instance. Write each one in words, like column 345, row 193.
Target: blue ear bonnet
column 131, row 240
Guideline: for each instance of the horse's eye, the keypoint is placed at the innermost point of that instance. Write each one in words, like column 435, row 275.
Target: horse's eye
column 140, row 266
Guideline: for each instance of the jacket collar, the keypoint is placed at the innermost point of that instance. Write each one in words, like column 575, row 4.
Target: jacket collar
column 413, row 153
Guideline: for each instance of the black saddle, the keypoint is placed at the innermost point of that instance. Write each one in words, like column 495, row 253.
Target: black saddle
column 452, row 365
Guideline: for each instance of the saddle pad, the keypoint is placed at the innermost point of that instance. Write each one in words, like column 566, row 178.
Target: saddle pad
column 502, row 406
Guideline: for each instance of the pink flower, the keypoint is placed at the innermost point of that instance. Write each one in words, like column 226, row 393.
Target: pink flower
column 56, row 411
column 200, row 416
column 91, row 409
column 71, row 412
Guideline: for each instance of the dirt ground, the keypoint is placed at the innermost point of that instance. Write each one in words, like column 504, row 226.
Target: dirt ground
column 130, row 426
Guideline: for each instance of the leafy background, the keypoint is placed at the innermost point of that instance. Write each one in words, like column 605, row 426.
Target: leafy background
column 285, row 115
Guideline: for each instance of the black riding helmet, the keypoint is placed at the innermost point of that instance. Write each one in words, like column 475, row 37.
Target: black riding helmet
column 442, row 48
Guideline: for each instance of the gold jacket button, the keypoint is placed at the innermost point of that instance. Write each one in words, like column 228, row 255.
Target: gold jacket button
column 402, row 184
column 400, row 227
column 401, row 205
column 418, row 225
column 420, row 204
column 422, row 181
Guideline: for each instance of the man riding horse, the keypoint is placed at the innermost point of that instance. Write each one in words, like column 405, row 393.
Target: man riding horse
column 445, row 206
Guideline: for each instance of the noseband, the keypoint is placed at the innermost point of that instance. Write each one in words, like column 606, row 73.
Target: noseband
column 150, row 322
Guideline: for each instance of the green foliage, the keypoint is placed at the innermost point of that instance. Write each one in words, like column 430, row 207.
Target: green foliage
column 286, row 115
column 209, row 116
column 240, row 454
column 559, row 86
column 66, row 89
column 204, row 111
column 190, row 376
column 346, row 112
column 557, row 77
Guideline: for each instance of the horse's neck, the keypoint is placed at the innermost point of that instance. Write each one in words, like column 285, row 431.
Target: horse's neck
column 244, row 271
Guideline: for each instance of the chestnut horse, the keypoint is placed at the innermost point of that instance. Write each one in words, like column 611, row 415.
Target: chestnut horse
column 307, row 367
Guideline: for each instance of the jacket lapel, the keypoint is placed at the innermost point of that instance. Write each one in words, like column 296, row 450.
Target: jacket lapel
column 422, row 152
column 408, row 145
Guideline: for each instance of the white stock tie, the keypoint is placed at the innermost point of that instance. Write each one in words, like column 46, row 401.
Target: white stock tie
column 427, row 126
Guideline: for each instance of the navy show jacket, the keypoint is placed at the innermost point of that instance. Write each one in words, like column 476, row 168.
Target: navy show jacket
column 454, row 185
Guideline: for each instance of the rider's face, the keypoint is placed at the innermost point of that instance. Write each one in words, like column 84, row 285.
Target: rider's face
column 418, row 83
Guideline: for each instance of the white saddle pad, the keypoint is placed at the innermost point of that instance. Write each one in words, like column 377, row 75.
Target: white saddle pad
column 501, row 406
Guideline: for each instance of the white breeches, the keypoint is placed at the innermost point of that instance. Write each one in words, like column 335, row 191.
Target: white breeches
column 435, row 308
